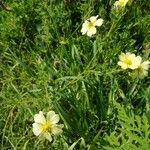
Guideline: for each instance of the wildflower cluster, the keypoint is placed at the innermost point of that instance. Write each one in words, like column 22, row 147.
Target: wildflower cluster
column 46, row 127
column 133, row 62
column 89, row 26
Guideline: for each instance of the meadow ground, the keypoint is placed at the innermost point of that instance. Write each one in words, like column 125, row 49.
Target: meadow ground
column 46, row 64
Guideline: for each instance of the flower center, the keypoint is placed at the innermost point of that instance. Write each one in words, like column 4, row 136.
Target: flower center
column 140, row 69
column 90, row 25
column 46, row 126
column 128, row 61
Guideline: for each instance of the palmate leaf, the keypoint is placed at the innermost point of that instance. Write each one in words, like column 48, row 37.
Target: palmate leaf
column 132, row 132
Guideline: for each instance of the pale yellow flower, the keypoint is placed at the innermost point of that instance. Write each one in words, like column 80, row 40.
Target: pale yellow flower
column 142, row 69
column 129, row 60
column 121, row 3
column 89, row 26
column 45, row 127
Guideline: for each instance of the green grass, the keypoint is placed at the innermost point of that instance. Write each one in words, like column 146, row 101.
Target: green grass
column 47, row 64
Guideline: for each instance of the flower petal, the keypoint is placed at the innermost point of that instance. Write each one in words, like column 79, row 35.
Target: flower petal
column 136, row 61
column 145, row 73
column 52, row 117
column 39, row 118
column 99, row 22
column 123, row 65
column 85, row 27
column 93, row 18
column 48, row 136
column 146, row 65
column 122, row 56
column 50, row 114
column 91, row 31
column 139, row 59
column 57, row 129
column 37, row 129
column 55, row 119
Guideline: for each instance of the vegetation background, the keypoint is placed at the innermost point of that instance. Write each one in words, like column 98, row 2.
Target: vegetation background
column 46, row 64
